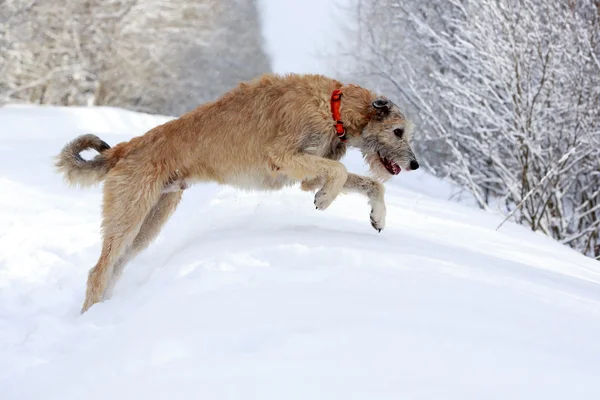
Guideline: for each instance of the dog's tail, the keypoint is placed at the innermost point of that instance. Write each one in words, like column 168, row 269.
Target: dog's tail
column 78, row 171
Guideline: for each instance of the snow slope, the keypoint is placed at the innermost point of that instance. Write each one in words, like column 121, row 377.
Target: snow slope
column 260, row 296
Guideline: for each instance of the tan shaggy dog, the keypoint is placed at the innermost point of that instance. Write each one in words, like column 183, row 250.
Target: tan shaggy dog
column 272, row 132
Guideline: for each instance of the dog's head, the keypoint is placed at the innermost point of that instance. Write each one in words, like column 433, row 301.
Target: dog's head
column 385, row 140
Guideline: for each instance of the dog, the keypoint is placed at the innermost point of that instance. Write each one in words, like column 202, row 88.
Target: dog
column 264, row 134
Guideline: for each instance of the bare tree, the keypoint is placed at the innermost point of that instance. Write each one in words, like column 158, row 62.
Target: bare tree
column 163, row 56
column 53, row 51
column 507, row 94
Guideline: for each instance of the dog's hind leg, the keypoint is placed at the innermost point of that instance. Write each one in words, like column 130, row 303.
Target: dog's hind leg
column 375, row 193
column 128, row 198
column 151, row 227
column 175, row 186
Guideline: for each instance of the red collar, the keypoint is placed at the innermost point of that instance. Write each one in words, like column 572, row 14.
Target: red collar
column 335, row 111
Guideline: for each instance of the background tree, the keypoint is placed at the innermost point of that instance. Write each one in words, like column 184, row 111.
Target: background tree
column 506, row 94
column 164, row 56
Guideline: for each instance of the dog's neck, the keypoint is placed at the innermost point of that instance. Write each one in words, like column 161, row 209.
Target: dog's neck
column 355, row 108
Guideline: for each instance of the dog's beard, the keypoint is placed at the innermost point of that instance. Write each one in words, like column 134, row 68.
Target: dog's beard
column 376, row 168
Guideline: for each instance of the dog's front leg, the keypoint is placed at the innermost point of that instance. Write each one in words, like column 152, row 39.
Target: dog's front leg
column 306, row 167
column 375, row 193
column 312, row 184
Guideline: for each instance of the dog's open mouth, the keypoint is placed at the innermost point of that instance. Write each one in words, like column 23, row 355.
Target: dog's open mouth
column 391, row 166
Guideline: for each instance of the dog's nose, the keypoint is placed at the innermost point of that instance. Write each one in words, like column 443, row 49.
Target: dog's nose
column 414, row 164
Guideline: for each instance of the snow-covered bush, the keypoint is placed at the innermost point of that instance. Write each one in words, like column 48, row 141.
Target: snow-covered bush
column 164, row 56
column 507, row 98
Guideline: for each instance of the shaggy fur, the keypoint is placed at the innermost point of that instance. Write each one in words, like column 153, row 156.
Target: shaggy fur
column 265, row 134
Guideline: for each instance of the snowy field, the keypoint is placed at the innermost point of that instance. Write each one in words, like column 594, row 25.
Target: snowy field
column 260, row 296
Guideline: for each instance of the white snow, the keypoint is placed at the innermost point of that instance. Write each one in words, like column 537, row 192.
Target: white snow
column 260, row 296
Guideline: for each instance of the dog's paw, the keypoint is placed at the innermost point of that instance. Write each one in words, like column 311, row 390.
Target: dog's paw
column 378, row 217
column 323, row 199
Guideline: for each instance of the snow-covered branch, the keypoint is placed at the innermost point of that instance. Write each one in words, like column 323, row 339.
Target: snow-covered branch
column 164, row 56
column 501, row 91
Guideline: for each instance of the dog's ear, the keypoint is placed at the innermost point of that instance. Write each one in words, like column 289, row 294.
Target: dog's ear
column 382, row 106
column 380, row 103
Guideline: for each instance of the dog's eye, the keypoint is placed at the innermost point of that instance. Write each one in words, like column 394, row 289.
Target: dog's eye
column 399, row 132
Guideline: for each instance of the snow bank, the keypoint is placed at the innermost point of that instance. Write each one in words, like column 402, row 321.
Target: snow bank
column 260, row 296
